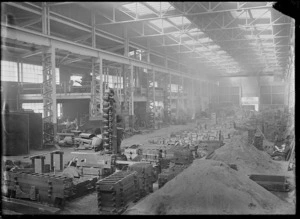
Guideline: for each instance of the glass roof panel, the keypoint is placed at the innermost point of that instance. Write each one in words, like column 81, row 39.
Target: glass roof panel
column 250, row 36
column 202, row 49
column 137, row 7
column 263, row 27
column 267, row 44
column 189, row 42
column 241, row 15
column 204, row 40
column 213, row 47
column 195, row 32
column 266, row 36
column 163, row 6
column 221, row 52
column 179, row 20
column 176, row 34
column 160, row 23
column 261, row 13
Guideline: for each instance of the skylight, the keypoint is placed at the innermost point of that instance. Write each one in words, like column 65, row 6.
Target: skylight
column 250, row 36
column 189, row 42
column 163, row 6
column 214, row 47
column 176, row 34
column 179, row 20
column 204, row 40
column 138, row 8
column 160, row 23
column 195, row 32
column 242, row 15
column 260, row 13
column 202, row 49
column 267, row 44
column 221, row 52
column 266, row 36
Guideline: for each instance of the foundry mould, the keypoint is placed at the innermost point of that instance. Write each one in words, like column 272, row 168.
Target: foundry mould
column 38, row 187
column 95, row 163
column 168, row 174
column 42, row 157
column 258, row 141
column 251, row 134
column 51, row 189
column 271, row 182
column 117, row 191
column 145, row 174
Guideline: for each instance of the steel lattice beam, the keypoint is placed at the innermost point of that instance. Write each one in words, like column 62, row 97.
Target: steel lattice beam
column 134, row 19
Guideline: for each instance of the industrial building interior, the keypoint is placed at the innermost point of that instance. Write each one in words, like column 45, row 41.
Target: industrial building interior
column 147, row 108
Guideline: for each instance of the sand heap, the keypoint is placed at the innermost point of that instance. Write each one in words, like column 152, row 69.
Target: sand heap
column 211, row 187
column 248, row 158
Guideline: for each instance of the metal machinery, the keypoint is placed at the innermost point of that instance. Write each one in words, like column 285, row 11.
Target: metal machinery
column 109, row 135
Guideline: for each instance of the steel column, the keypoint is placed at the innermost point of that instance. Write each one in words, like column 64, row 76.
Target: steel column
column 49, row 96
column 131, row 88
column 97, row 89
column 93, row 30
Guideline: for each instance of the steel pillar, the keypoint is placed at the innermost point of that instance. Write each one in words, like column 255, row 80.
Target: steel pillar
column 193, row 98
column 127, row 96
column 167, row 97
column 151, row 98
column 97, row 89
column 49, row 96
column 131, row 89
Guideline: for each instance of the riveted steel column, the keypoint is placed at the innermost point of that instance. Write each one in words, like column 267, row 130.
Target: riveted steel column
column 49, row 96
column 96, row 89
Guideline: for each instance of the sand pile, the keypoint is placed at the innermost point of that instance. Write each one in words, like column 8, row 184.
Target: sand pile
column 248, row 158
column 211, row 187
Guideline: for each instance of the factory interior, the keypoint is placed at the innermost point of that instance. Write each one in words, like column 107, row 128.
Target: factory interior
column 147, row 108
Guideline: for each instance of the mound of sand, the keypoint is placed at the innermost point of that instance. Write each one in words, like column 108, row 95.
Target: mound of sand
column 248, row 158
column 211, row 187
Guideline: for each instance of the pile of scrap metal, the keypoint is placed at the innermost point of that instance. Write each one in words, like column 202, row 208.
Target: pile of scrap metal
column 117, row 191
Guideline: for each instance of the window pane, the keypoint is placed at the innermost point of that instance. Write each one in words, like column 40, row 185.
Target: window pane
column 277, row 98
column 265, row 98
column 265, row 89
column 277, row 89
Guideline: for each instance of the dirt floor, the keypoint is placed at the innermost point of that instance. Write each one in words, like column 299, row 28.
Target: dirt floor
column 88, row 203
column 211, row 187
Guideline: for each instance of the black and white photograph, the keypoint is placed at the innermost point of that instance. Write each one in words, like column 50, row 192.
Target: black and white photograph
column 148, row 108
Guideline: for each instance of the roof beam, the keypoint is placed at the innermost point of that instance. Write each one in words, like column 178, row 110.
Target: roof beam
column 30, row 22
column 24, row 35
column 60, row 3
column 29, row 54
column 200, row 31
column 81, row 26
column 180, row 14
